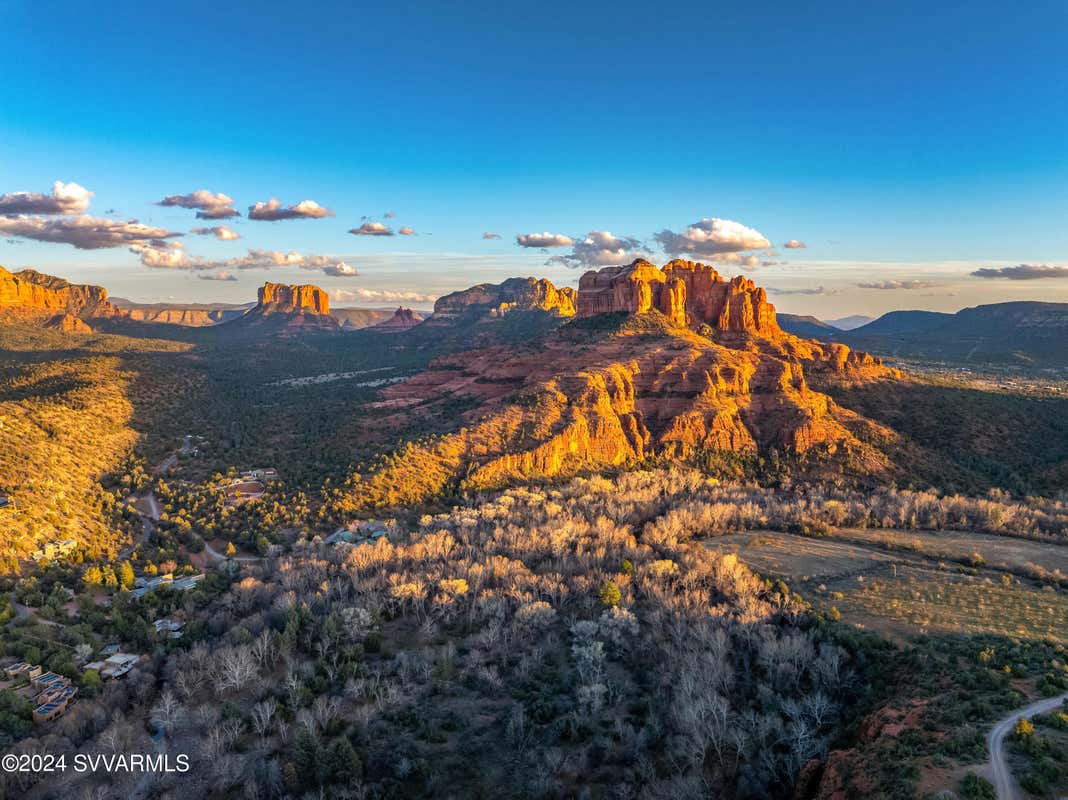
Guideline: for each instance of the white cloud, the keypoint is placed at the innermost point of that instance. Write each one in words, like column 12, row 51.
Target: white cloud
column 600, row 249
column 794, row 244
column 490, row 235
column 340, row 270
column 165, row 255
column 83, row 232
column 372, row 229
column 66, row 198
column 738, row 259
column 272, row 211
column 172, row 255
column 209, row 205
column 219, row 232
column 543, row 240
column 712, row 236
column 406, row 231
column 221, row 275
column 380, row 296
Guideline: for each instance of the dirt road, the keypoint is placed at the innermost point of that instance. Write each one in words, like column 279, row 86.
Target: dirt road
column 1000, row 774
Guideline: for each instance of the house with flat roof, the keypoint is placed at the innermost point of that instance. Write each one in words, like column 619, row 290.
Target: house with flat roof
column 52, row 703
column 171, row 627
column 118, row 665
column 189, row 582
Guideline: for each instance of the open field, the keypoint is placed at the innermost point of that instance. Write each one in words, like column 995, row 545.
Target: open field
column 1002, row 552
column 907, row 592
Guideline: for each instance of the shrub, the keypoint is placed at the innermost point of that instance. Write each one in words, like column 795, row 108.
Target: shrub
column 610, row 594
column 976, row 787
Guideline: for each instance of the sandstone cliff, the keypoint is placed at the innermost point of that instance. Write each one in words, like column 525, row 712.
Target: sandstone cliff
column 686, row 292
column 194, row 315
column 290, row 310
column 595, row 394
column 306, row 299
column 30, row 296
column 498, row 299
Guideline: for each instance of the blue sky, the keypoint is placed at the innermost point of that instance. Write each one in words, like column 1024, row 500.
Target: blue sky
column 901, row 142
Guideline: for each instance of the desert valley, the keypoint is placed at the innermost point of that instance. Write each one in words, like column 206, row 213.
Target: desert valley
column 500, row 401
column 630, row 537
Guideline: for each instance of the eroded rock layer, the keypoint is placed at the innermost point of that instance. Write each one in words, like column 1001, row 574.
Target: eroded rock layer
column 497, row 299
column 31, row 296
column 289, row 298
column 584, row 397
column 686, row 292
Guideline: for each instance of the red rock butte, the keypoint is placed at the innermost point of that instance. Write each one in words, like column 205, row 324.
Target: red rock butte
column 686, row 292
column 290, row 298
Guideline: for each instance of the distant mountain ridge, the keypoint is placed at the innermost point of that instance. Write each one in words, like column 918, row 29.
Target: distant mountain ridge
column 1024, row 333
column 806, row 326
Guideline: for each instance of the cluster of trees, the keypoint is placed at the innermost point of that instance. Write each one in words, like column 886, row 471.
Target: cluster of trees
column 536, row 643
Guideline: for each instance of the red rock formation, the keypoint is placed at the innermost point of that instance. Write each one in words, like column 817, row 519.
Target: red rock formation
column 290, row 298
column 687, row 292
column 497, row 299
column 403, row 319
column 290, row 310
column 69, row 324
column 34, row 297
column 580, row 399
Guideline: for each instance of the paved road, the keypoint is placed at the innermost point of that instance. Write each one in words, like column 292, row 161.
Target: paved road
column 1000, row 773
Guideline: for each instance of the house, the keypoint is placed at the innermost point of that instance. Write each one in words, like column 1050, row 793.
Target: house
column 23, row 670
column 55, row 549
column 145, row 585
column 189, row 582
column 118, row 665
column 53, row 700
column 172, row 627
column 344, row 535
column 45, row 681
column 261, row 474
column 110, row 649
column 14, row 671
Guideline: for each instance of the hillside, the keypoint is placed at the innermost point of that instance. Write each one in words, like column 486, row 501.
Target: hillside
column 1018, row 333
column 353, row 319
column 71, row 410
column 897, row 323
column 850, row 322
column 806, row 326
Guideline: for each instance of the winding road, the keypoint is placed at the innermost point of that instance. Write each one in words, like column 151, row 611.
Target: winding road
column 1000, row 774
